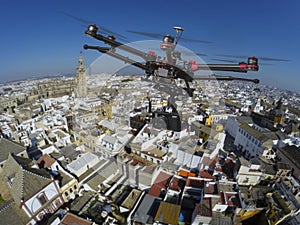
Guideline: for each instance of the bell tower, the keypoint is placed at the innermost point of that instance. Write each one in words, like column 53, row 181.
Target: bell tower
column 81, row 79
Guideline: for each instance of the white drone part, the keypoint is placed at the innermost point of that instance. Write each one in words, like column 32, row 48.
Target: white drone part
column 179, row 29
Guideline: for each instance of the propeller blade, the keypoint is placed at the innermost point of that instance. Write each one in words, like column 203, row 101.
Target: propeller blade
column 147, row 34
column 233, row 56
column 225, row 60
column 260, row 58
column 102, row 30
column 201, row 54
column 266, row 64
column 194, row 40
column 113, row 33
column 188, row 53
column 274, row 59
column 83, row 21
column 235, row 61
column 158, row 35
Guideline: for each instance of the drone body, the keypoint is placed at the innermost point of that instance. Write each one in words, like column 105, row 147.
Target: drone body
column 172, row 66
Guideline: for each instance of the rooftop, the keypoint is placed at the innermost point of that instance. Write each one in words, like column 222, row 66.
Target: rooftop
column 47, row 160
column 71, row 219
column 168, row 213
column 131, row 199
column 24, row 180
column 292, row 153
column 82, row 161
column 19, row 216
column 8, row 146
column 147, row 210
column 155, row 152
column 161, row 182
column 254, row 133
column 195, row 182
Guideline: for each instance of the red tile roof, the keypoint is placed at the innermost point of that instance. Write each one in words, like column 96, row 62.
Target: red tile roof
column 161, row 182
column 48, row 161
column 219, row 169
column 194, row 182
column 71, row 219
column 205, row 174
column 134, row 162
column 177, row 184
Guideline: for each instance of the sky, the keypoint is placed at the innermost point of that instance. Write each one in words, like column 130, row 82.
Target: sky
column 38, row 39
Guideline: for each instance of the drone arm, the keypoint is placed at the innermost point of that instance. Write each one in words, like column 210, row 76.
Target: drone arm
column 118, row 56
column 227, row 78
column 92, row 32
column 242, row 67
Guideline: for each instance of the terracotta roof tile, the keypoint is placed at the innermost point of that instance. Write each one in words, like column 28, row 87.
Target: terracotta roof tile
column 48, row 160
column 161, row 182
column 71, row 219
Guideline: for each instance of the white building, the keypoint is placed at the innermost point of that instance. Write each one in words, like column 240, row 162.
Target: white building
column 249, row 176
column 83, row 163
column 252, row 141
column 60, row 138
column 233, row 123
column 249, row 137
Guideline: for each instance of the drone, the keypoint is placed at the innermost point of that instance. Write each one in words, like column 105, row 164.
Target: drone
column 172, row 66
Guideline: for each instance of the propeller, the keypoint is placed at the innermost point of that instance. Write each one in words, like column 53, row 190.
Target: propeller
column 184, row 52
column 235, row 61
column 225, row 60
column 260, row 58
column 188, row 53
column 102, row 30
column 157, row 35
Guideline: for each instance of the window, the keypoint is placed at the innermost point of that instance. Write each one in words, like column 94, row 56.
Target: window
column 66, row 193
column 42, row 198
column 71, row 190
column 75, row 187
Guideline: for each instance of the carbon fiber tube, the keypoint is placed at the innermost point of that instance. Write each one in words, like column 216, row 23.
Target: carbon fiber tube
column 118, row 56
column 228, row 78
column 113, row 43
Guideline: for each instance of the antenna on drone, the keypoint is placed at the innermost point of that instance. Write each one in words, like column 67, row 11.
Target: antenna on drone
column 179, row 31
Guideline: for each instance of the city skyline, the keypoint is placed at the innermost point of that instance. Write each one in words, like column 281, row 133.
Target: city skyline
column 39, row 39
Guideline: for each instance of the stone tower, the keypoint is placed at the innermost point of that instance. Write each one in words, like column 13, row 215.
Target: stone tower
column 81, row 79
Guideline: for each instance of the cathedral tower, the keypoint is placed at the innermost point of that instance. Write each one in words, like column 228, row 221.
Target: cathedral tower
column 81, row 79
